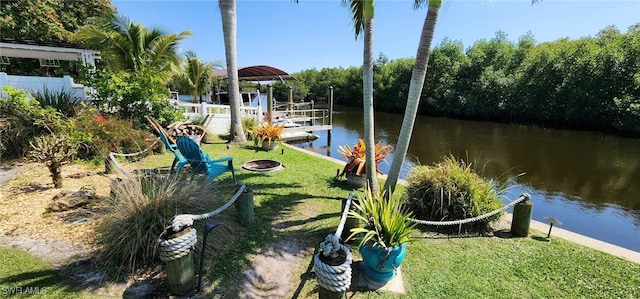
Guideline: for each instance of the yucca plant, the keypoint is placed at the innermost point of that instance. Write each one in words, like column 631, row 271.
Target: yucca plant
column 63, row 100
column 356, row 157
column 386, row 220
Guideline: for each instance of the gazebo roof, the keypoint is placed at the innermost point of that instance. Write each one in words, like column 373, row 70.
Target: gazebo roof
column 257, row 73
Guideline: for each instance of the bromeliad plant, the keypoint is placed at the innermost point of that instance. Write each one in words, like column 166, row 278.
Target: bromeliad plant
column 386, row 220
column 357, row 156
column 266, row 132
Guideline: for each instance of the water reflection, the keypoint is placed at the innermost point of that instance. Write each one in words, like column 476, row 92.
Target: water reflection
column 581, row 176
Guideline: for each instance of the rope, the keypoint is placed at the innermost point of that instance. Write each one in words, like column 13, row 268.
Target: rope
column 177, row 247
column 114, row 161
column 183, row 221
column 343, row 219
column 333, row 278
column 522, row 197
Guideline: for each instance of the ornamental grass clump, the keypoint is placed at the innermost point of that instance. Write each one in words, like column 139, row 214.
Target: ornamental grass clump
column 452, row 190
column 141, row 207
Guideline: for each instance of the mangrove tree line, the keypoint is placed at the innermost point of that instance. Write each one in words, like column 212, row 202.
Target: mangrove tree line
column 591, row 83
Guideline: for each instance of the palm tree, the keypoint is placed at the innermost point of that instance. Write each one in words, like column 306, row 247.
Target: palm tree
column 415, row 90
column 228, row 13
column 197, row 74
column 129, row 46
column 362, row 16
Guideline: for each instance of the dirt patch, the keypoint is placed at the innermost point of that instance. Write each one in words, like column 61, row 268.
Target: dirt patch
column 271, row 268
column 67, row 239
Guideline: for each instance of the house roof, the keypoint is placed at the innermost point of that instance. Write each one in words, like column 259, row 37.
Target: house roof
column 257, row 73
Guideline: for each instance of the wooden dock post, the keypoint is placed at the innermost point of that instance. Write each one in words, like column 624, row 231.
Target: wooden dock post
column 181, row 276
column 270, row 103
column 521, row 218
column 290, row 97
column 330, row 120
column 245, row 206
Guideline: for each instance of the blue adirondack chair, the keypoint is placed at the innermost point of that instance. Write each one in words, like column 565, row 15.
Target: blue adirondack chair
column 178, row 161
column 200, row 161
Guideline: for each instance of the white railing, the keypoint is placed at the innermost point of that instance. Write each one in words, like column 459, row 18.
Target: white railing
column 195, row 110
column 220, row 123
column 314, row 117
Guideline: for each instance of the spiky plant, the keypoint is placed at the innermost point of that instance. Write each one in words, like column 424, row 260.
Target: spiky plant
column 266, row 132
column 386, row 220
column 54, row 151
column 63, row 100
column 356, row 157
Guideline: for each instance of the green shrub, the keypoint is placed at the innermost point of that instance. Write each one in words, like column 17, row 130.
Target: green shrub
column 134, row 96
column 101, row 133
column 452, row 190
column 21, row 120
column 139, row 210
column 248, row 123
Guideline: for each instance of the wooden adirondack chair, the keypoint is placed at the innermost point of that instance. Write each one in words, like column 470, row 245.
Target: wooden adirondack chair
column 178, row 161
column 201, row 163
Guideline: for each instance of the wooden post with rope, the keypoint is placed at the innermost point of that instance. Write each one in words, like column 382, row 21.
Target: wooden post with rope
column 522, row 217
column 245, row 206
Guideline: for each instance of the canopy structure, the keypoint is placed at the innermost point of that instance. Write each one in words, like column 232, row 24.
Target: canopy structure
column 47, row 51
column 257, row 73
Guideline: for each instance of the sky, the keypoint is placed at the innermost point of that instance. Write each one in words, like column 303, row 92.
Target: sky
column 319, row 33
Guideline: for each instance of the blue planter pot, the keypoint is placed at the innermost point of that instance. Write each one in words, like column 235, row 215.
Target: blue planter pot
column 380, row 264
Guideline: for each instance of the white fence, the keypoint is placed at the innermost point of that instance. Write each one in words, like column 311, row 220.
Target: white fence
column 221, row 114
column 33, row 84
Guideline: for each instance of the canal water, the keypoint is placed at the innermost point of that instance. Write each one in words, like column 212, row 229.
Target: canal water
column 589, row 181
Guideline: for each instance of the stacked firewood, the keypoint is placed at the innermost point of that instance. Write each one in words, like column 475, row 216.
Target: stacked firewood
column 184, row 128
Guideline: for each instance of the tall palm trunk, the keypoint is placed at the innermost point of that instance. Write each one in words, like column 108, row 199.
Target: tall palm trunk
column 415, row 90
column 228, row 11
column 367, row 103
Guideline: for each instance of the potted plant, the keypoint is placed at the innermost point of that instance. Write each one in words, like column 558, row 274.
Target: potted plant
column 385, row 235
column 356, row 161
column 268, row 135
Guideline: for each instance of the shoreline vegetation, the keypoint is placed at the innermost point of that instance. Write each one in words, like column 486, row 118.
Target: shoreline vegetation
column 300, row 205
column 591, row 83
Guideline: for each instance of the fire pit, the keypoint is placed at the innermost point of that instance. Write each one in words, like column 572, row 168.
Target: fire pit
column 262, row 165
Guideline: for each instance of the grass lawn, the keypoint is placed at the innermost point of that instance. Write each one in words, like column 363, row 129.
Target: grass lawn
column 303, row 201
column 25, row 276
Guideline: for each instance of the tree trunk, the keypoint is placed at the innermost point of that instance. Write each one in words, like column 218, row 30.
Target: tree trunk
column 228, row 11
column 367, row 103
column 56, row 174
column 413, row 99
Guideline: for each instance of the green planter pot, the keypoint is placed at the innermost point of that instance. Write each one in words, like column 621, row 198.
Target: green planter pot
column 380, row 263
